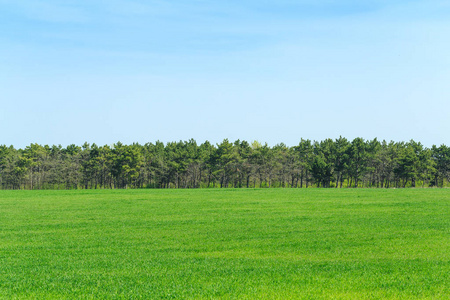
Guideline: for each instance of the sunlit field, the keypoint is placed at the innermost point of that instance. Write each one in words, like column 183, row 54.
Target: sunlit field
column 220, row 243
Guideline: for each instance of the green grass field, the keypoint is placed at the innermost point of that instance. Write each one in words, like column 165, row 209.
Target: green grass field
column 236, row 243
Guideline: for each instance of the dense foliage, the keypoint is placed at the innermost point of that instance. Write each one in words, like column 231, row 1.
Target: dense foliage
column 328, row 163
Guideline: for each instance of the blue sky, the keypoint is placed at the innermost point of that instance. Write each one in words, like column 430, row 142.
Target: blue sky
column 274, row 71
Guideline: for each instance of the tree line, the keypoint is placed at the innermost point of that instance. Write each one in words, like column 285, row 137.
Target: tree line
column 338, row 163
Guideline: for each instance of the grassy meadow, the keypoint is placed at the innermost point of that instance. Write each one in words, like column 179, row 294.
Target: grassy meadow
column 228, row 244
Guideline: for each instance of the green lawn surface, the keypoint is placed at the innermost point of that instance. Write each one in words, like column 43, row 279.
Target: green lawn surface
column 225, row 244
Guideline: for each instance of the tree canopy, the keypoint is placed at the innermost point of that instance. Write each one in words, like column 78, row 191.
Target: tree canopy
column 186, row 164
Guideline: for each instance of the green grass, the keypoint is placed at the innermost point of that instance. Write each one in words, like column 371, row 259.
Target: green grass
column 211, row 243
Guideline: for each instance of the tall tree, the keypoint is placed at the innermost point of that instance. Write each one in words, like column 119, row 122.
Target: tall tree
column 341, row 160
column 358, row 158
column 441, row 157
